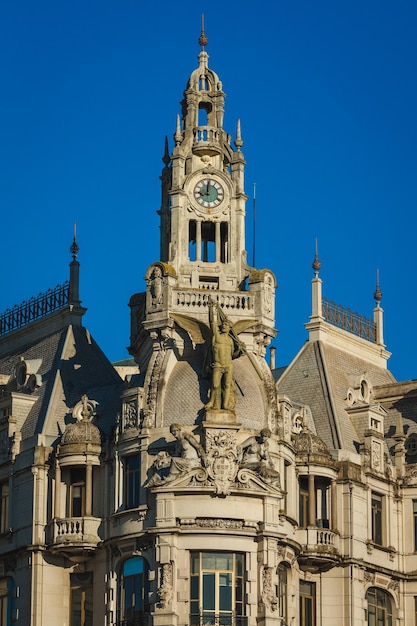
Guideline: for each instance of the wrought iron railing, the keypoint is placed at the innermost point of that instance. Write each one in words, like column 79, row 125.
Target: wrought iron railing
column 34, row 309
column 138, row 620
column 351, row 321
column 209, row 618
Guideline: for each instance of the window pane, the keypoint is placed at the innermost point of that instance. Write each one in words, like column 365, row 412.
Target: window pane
column 225, row 582
column 133, row 566
column 208, row 591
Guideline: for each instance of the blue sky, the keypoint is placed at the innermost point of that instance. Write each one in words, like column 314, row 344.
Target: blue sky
column 327, row 96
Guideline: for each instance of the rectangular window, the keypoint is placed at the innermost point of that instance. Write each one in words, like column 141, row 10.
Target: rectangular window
column 303, row 503
column 282, row 592
column 307, row 603
column 77, row 492
column 4, row 507
column 132, row 481
column 216, row 589
column 376, row 509
column 82, row 599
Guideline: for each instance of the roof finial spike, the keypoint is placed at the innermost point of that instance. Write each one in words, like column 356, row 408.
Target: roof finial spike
column 316, row 263
column 377, row 292
column 74, row 249
column 178, row 134
column 203, row 41
column 166, row 158
column 238, row 140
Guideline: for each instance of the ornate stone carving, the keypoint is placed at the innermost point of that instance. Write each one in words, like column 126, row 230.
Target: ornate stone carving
column 85, row 409
column 165, row 590
column 268, row 597
column 187, row 456
column 376, row 455
column 219, row 523
column 130, row 415
column 369, row 577
column 156, row 287
column 221, row 458
column 253, row 454
column 155, row 371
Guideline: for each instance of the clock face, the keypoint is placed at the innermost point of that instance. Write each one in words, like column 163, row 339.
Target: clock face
column 209, row 193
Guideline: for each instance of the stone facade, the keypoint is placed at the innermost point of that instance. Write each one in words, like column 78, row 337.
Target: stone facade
column 205, row 488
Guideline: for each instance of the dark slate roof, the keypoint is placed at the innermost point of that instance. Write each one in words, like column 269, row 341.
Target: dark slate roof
column 72, row 365
column 187, row 392
column 319, row 377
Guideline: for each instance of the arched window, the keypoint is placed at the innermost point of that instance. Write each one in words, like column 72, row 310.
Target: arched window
column 379, row 607
column 133, row 599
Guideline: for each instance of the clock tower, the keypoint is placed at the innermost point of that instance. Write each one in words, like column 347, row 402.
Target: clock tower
column 202, row 227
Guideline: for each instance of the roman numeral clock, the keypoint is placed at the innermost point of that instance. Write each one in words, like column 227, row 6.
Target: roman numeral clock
column 209, row 193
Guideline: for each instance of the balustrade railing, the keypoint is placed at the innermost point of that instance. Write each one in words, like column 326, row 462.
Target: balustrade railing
column 349, row 320
column 35, row 308
column 75, row 530
column 197, row 300
column 206, row 134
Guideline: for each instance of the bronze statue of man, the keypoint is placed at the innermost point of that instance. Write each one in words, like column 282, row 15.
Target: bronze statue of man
column 225, row 347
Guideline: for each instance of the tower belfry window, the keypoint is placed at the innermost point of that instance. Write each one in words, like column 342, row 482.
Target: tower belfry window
column 204, row 110
column 208, row 242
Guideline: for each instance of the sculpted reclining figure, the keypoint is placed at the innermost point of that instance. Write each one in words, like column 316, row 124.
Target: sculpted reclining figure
column 187, row 456
column 254, row 454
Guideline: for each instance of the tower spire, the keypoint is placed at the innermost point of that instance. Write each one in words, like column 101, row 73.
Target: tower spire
column 317, row 301
column 203, row 41
column 74, row 282
column 316, row 263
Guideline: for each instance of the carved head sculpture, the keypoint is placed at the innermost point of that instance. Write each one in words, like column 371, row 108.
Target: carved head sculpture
column 265, row 434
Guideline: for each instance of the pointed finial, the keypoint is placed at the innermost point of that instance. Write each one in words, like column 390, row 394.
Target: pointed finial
column 166, row 158
column 378, row 292
column 238, row 140
column 74, row 249
column 316, row 263
column 203, row 41
column 178, row 134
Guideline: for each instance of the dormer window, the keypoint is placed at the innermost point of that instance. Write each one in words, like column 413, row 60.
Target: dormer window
column 375, row 424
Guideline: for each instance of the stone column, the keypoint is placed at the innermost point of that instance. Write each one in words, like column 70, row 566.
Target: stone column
column 311, row 501
column 333, row 506
column 57, row 507
column 198, row 241
column 218, row 242
column 88, row 490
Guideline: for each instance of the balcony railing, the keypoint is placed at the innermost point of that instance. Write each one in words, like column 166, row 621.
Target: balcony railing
column 351, row 321
column 209, row 618
column 75, row 531
column 311, row 537
column 197, row 300
column 34, row 309
column 138, row 620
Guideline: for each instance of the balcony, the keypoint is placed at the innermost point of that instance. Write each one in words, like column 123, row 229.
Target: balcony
column 209, row 618
column 319, row 549
column 75, row 537
column 207, row 140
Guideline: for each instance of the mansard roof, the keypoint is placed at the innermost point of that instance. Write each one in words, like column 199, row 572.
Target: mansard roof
column 69, row 364
column 320, row 376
